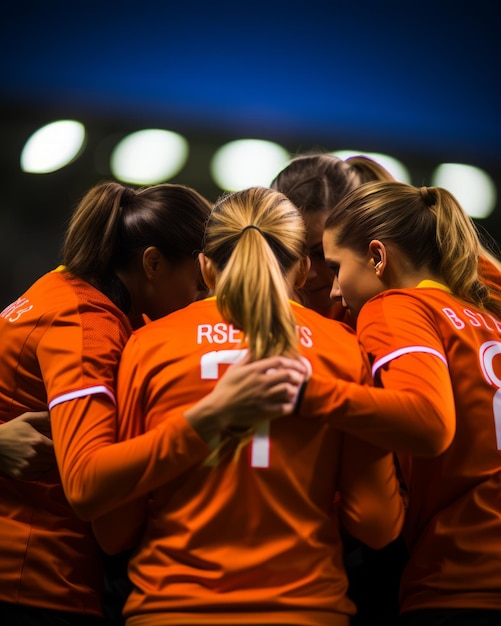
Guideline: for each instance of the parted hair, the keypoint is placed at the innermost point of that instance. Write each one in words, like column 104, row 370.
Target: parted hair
column 253, row 238
column 428, row 225
column 113, row 224
column 317, row 181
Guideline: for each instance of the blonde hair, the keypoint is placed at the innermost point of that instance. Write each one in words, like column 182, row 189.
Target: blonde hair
column 368, row 169
column 254, row 238
column 427, row 224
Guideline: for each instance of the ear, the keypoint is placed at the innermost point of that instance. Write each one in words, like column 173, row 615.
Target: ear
column 379, row 257
column 207, row 269
column 302, row 273
column 152, row 258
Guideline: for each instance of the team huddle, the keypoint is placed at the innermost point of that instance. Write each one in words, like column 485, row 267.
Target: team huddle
column 240, row 412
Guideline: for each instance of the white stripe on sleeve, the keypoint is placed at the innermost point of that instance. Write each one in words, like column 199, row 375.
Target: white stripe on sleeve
column 407, row 350
column 81, row 393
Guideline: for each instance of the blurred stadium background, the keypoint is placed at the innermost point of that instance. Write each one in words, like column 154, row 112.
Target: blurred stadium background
column 418, row 81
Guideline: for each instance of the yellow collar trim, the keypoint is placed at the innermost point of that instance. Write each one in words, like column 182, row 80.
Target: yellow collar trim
column 434, row 284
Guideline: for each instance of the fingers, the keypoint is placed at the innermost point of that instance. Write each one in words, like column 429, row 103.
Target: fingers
column 300, row 365
column 281, row 392
column 39, row 420
column 36, row 418
column 285, row 376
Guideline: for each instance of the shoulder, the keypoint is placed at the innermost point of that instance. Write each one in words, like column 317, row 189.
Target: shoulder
column 330, row 345
column 403, row 303
column 69, row 303
column 400, row 318
column 185, row 318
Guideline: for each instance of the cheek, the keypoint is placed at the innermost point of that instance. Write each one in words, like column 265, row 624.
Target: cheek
column 188, row 283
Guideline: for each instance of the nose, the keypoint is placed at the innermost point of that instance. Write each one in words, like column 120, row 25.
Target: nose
column 335, row 290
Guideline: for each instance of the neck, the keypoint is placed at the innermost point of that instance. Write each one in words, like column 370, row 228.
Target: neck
column 404, row 276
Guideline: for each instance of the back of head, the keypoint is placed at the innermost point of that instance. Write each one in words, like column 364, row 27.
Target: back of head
column 316, row 182
column 254, row 238
column 428, row 226
column 368, row 169
column 113, row 225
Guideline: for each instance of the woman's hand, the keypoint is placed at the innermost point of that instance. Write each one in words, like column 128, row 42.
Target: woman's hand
column 26, row 449
column 249, row 393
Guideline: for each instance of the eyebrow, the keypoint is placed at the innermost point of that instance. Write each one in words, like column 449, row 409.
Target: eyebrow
column 333, row 265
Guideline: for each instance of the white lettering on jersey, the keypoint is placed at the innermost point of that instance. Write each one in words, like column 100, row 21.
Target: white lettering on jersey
column 226, row 333
column 218, row 333
column 459, row 319
column 14, row 311
column 305, row 336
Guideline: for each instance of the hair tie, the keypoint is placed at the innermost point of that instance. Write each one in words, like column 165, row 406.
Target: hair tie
column 428, row 196
column 252, row 226
column 127, row 195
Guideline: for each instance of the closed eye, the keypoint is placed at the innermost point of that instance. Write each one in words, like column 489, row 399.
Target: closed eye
column 334, row 267
column 316, row 253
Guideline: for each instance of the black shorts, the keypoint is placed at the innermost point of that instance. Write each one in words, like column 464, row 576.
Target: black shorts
column 21, row 615
column 451, row 617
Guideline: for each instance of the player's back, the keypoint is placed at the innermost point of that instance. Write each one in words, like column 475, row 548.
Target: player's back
column 257, row 525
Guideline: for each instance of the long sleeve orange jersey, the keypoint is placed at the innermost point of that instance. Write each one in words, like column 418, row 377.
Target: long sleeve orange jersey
column 62, row 339
column 251, row 535
column 61, row 343
column 453, row 522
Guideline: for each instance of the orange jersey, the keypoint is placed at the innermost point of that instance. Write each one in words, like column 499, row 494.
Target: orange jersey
column 491, row 276
column 251, row 535
column 453, row 522
column 61, row 340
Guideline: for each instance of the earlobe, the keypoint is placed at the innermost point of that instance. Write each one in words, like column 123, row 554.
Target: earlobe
column 302, row 274
column 377, row 251
column 207, row 270
column 150, row 261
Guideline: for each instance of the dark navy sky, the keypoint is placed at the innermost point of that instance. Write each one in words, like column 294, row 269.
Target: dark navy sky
column 418, row 80
column 421, row 74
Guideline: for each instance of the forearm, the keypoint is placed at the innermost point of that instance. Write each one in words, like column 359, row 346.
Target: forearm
column 99, row 475
column 398, row 420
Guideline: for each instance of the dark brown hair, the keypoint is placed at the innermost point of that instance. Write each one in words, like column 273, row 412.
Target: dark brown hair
column 113, row 224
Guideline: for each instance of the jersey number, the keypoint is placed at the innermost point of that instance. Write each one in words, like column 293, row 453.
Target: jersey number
column 488, row 351
column 209, row 369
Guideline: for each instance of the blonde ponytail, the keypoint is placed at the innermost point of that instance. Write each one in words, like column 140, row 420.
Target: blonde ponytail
column 255, row 237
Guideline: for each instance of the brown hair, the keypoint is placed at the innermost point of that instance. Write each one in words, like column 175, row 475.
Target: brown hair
column 113, row 224
column 427, row 224
column 316, row 182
